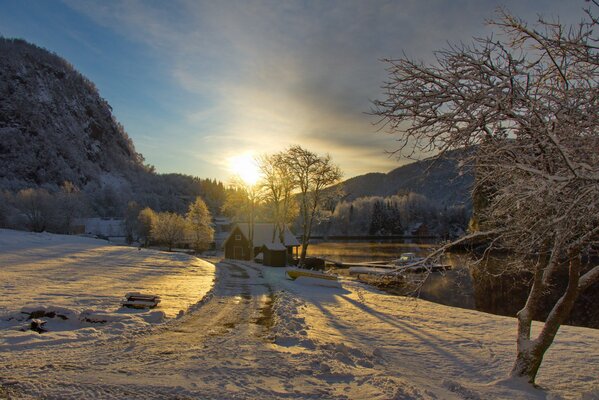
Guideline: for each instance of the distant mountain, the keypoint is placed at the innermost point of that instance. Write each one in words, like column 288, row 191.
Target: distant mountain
column 54, row 125
column 439, row 179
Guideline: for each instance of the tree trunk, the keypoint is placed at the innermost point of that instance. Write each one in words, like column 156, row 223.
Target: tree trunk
column 305, row 237
column 251, row 231
column 307, row 233
column 530, row 352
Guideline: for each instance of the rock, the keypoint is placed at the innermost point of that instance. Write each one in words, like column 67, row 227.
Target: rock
column 46, row 314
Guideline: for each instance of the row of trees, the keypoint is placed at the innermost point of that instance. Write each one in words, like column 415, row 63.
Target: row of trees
column 292, row 185
column 395, row 215
column 526, row 101
column 55, row 209
column 40, row 210
column 170, row 229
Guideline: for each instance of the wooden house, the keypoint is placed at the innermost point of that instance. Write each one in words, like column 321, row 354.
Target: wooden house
column 237, row 244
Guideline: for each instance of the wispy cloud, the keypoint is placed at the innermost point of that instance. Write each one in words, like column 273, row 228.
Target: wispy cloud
column 266, row 74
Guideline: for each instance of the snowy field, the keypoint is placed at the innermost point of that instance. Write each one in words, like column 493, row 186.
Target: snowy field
column 257, row 335
column 85, row 280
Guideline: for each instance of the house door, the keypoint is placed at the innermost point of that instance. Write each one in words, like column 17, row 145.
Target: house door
column 238, row 253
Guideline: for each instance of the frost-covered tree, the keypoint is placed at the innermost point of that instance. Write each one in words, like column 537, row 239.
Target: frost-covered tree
column 526, row 101
column 70, row 204
column 131, row 222
column 145, row 221
column 243, row 203
column 37, row 207
column 169, row 229
column 199, row 221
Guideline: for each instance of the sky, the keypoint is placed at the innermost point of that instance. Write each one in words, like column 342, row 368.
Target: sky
column 199, row 83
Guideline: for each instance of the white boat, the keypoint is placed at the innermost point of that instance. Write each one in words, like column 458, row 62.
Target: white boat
column 407, row 259
column 358, row 270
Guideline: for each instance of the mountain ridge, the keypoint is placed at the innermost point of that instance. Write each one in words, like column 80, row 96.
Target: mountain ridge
column 441, row 179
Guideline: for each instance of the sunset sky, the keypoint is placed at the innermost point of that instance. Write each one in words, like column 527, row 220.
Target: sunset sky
column 198, row 83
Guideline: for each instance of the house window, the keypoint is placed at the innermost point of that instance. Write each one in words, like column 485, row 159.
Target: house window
column 237, row 237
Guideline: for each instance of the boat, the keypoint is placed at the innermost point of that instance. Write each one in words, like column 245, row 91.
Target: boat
column 298, row 272
column 358, row 270
column 407, row 259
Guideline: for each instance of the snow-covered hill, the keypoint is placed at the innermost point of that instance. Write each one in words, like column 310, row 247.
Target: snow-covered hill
column 55, row 126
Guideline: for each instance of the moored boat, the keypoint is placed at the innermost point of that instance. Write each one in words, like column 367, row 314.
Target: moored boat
column 298, row 272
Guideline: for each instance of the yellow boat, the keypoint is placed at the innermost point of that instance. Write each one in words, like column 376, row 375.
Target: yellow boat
column 296, row 273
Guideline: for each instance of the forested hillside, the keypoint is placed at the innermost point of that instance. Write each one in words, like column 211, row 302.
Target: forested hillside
column 56, row 128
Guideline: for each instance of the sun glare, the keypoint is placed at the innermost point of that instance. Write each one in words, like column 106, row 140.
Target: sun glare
column 245, row 167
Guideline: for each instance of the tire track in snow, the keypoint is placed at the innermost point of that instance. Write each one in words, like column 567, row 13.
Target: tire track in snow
column 231, row 309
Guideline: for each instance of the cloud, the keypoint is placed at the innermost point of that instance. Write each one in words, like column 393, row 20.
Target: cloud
column 261, row 75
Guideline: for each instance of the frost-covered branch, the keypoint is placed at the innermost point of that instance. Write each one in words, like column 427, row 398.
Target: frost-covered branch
column 526, row 108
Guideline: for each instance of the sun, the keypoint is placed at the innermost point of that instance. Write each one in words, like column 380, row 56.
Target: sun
column 245, row 167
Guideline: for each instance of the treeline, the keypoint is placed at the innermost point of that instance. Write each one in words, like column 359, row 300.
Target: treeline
column 394, row 215
column 54, row 209
column 166, row 192
column 194, row 228
column 40, row 210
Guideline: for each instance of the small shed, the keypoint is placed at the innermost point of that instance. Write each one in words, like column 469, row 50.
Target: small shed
column 275, row 254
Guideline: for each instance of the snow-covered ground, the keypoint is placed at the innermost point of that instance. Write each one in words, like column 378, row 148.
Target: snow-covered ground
column 85, row 280
column 257, row 335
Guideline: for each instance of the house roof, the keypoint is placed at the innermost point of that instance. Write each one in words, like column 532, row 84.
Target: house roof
column 275, row 246
column 263, row 235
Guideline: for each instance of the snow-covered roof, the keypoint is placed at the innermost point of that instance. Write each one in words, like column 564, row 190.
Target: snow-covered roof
column 275, row 246
column 263, row 234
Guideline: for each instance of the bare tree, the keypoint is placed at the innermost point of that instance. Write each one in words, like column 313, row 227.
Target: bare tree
column 526, row 104
column 313, row 174
column 278, row 184
column 70, row 205
column 36, row 205
column 199, row 222
column 131, row 222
